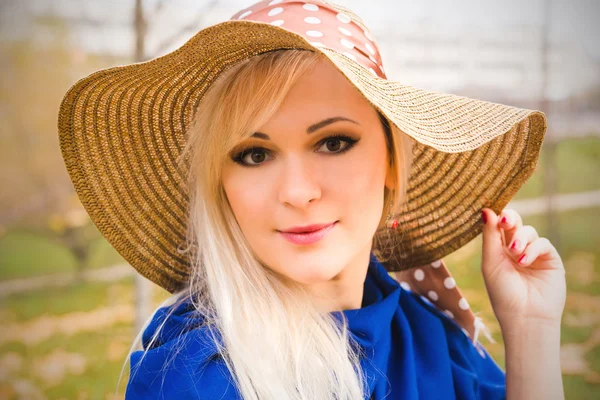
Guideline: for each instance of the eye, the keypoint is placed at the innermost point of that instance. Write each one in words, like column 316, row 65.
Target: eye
column 251, row 157
column 332, row 143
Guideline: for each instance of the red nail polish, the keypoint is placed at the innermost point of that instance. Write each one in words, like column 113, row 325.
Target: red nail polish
column 522, row 259
column 515, row 244
column 484, row 217
column 504, row 220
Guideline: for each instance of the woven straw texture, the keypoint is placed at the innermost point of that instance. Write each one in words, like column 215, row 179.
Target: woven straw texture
column 122, row 130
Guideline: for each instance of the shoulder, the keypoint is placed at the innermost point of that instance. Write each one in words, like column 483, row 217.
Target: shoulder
column 180, row 360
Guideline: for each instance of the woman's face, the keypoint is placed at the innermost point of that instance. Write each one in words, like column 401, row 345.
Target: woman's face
column 300, row 174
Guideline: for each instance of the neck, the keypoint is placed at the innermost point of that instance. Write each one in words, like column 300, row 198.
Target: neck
column 345, row 290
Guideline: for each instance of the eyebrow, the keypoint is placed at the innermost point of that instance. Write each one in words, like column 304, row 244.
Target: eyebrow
column 312, row 128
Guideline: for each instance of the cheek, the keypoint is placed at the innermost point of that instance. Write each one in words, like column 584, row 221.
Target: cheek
column 248, row 201
column 359, row 181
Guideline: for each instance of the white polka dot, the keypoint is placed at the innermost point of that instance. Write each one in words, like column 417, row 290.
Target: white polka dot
column 275, row 11
column 274, row 2
column 314, row 33
column 463, row 304
column 347, row 44
column 317, row 44
column 372, row 59
column 436, row 264
column 373, row 71
column 433, row 295
column 405, row 285
column 449, row 313
column 311, row 7
column 345, row 31
column 370, row 48
column 350, row 55
column 449, row 282
column 419, row 274
column 368, row 35
column 277, row 22
column 245, row 14
column 312, row 20
column 466, row 332
column 343, row 18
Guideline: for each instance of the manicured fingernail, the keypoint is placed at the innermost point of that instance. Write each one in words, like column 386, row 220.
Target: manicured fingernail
column 516, row 245
column 484, row 217
column 522, row 259
column 504, row 220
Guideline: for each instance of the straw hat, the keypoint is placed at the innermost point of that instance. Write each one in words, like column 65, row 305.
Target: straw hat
column 122, row 130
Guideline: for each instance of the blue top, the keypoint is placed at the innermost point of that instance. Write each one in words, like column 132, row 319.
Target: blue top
column 413, row 351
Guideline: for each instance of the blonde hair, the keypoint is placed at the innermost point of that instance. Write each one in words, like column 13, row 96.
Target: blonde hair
column 276, row 344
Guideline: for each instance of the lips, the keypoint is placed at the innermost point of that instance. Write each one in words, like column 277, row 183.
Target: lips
column 311, row 237
column 307, row 228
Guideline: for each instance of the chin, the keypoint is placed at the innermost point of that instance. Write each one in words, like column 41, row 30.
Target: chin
column 316, row 273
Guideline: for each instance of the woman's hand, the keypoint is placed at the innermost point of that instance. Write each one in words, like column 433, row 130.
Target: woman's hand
column 523, row 273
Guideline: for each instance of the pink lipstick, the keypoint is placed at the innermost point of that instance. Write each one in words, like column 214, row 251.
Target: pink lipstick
column 309, row 234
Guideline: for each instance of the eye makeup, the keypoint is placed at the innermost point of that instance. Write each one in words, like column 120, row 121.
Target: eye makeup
column 240, row 156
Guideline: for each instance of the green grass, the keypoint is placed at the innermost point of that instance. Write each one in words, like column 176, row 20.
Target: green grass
column 102, row 369
column 25, row 254
column 103, row 353
column 104, row 350
column 576, row 388
column 576, row 334
column 58, row 301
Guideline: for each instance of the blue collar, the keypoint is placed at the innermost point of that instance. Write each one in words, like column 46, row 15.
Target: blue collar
column 380, row 300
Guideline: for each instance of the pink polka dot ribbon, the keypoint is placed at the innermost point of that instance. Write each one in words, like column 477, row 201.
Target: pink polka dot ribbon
column 322, row 26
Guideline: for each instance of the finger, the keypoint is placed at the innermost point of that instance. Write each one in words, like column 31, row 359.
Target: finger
column 522, row 237
column 510, row 221
column 492, row 239
column 540, row 248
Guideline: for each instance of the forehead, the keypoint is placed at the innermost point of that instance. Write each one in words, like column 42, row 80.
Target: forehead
column 322, row 92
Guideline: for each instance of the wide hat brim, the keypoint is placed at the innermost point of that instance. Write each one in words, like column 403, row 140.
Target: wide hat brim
column 122, row 131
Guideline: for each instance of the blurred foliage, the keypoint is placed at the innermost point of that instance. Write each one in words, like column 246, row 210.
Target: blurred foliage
column 34, row 77
column 35, row 73
column 38, row 197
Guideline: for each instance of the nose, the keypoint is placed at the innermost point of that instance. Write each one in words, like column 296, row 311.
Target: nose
column 299, row 183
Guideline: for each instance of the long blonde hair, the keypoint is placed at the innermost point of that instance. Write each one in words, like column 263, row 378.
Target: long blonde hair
column 276, row 344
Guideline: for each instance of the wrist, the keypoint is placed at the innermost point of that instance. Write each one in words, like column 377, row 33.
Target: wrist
column 538, row 339
column 527, row 327
column 532, row 351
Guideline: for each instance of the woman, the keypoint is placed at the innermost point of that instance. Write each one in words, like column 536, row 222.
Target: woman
column 271, row 182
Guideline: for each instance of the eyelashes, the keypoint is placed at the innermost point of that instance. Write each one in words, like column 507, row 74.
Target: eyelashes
column 241, row 156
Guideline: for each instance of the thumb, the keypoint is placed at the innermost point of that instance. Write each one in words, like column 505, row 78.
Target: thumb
column 492, row 240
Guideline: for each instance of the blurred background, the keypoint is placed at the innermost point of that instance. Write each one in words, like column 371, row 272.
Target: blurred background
column 69, row 304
